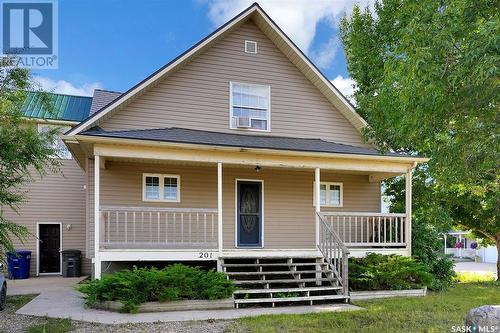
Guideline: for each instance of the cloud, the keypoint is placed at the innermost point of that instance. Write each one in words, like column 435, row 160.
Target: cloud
column 346, row 86
column 65, row 87
column 326, row 53
column 297, row 18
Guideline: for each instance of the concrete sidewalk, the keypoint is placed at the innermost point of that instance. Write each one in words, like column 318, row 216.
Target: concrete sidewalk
column 38, row 285
column 60, row 300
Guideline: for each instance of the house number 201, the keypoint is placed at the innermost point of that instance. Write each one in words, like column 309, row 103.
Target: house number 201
column 205, row 255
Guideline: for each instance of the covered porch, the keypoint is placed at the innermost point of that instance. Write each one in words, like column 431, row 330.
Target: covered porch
column 203, row 225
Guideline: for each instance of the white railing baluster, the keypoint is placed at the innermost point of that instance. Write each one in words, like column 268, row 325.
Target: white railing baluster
column 148, row 233
column 367, row 230
column 158, row 237
column 182, row 227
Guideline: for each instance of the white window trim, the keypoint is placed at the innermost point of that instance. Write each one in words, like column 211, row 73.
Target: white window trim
column 231, row 107
column 250, row 41
column 161, row 187
column 328, row 184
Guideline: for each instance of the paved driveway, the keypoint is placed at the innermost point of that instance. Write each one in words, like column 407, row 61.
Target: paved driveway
column 476, row 267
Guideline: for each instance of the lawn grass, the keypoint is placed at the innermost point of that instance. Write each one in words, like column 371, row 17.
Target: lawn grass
column 52, row 326
column 437, row 312
column 468, row 277
column 18, row 301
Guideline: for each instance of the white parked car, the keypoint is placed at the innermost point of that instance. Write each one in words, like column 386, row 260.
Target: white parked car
column 3, row 289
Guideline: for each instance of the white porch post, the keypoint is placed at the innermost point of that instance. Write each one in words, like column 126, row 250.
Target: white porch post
column 317, row 203
column 97, row 220
column 408, row 209
column 445, row 243
column 219, row 212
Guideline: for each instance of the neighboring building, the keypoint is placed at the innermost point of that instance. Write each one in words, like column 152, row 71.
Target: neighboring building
column 459, row 244
column 219, row 156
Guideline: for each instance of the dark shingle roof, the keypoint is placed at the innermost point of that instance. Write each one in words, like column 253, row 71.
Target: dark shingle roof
column 189, row 136
column 102, row 98
column 64, row 107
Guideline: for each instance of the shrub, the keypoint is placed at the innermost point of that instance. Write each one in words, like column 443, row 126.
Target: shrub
column 139, row 285
column 387, row 272
column 427, row 248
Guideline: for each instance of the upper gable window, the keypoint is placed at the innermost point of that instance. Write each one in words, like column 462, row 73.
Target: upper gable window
column 250, row 47
column 250, row 106
column 58, row 144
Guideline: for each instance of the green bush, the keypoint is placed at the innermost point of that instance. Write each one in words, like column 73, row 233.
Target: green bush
column 387, row 272
column 427, row 248
column 140, row 285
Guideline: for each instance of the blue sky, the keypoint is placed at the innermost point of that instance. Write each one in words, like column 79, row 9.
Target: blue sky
column 113, row 44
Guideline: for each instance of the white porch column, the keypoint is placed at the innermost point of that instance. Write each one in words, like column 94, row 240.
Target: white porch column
column 408, row 195
column 97, row 215
column 445, row 243
column 219, row 210
column 317, row 202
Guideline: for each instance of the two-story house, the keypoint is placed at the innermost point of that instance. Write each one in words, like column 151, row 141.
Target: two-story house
column 238, row 153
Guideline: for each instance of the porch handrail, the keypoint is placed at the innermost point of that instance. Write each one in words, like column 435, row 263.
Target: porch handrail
column 370, row 230
column 127, row 227
column 158, row 209
column 363, row 214
column 335, row 253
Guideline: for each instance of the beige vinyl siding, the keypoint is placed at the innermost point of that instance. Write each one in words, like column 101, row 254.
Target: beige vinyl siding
column 288, row 203
column 197, row 96
column 58, row 198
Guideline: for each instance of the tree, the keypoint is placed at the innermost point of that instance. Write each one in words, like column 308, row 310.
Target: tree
column 24, row 152
column 428, row 83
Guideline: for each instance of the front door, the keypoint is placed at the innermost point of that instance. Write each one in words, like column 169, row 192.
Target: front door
column 249, row 214
column 50, row 247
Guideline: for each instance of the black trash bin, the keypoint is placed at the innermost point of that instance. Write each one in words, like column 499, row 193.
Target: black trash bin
column 71, row 263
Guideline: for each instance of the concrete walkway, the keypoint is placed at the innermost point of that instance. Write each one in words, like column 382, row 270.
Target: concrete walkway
column 59, row 300
column 40, row 285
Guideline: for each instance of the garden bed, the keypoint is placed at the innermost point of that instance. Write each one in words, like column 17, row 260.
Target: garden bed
column 185, row 305
column 373, row 294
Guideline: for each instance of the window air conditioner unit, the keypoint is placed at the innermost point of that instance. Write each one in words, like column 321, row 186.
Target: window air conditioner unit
column 242, row 122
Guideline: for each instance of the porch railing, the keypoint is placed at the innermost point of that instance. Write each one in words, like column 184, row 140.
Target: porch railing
column 158, row 228
column 368, row 229
column 334, row 252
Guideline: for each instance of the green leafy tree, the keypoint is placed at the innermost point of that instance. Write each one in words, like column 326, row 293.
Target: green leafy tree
column 428, row 82
column 24, row 152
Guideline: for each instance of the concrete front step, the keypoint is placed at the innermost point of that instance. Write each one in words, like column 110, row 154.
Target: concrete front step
column 288, row 299
column 241, row 282
column 289, row 272
column 275, row 264
column 284, row 290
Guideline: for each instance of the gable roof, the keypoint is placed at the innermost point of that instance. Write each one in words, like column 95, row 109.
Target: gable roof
column 209, row 138
column 273, row 32
column 102, row 98
column 64, row 107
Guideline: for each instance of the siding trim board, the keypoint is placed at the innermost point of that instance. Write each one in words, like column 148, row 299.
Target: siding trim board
column 268, row 26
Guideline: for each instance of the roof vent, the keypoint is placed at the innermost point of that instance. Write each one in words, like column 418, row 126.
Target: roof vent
column 250, row 47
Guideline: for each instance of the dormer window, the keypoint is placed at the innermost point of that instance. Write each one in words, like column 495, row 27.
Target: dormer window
column 250, row 106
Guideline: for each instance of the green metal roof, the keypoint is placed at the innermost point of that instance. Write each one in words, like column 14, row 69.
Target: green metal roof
column 65, row 107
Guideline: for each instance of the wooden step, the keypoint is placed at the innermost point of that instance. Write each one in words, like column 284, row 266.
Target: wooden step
column 275, row 264
column 283, row 290
column 238, row 282
column 288, row 299
column 275, row 272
